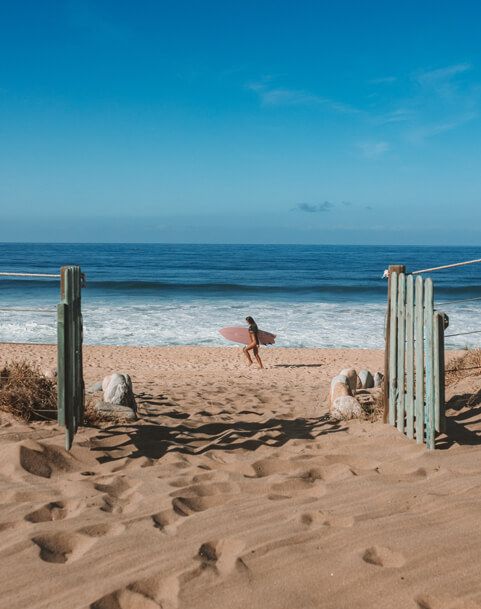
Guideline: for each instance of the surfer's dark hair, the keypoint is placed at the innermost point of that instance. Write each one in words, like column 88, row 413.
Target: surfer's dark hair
column 250, row 319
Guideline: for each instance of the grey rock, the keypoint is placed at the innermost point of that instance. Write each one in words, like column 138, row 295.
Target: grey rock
column 117, row 388
column 351, row 376
column 366, row 379
column 115, row 412
column 339, row 387
column 346, row 407
column 94, row 387
column 378, row 379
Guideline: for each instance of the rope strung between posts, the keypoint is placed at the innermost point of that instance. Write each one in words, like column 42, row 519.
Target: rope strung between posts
column 438, row 268
column 446, row 266
column 463, row 333
column 51, row 275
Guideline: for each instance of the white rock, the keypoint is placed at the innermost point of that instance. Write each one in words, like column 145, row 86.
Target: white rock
column 378, row 379
column 339, row 390
column 117, row 389
column 346, row 407
column 339, row 387
column 50, row 373
column 351, row 376
column 366, row 379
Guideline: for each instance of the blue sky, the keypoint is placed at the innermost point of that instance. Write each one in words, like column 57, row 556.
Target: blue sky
column 271, row 122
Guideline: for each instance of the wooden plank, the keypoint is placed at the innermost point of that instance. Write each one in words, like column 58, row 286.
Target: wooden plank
column 409, row 404
column 393, row 268
column 419, row 358
column 429, row 417
column 393, row 349
column 401, row 351
column 81, row 387
column 62, row 363
column 439, row 372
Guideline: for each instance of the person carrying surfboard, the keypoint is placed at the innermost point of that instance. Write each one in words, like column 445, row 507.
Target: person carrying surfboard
column 254, row 344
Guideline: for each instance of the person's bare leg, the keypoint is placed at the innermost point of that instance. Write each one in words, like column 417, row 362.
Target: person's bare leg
column 258, row 357
column 248, row 356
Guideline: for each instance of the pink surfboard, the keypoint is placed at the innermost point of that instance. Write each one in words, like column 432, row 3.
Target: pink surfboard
column 237, row 334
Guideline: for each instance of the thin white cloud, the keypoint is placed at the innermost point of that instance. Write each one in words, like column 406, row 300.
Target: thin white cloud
column 429, row 77
column 271, row 95
column 422, row 133
column 373, row 150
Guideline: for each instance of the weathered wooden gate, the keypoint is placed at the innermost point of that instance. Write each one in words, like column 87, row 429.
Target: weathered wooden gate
column 70, row 385
column 415, row 351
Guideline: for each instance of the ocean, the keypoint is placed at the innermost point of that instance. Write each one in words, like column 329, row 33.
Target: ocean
column 161, row 294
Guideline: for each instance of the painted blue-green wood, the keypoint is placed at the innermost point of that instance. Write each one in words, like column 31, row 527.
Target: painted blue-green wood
column 439, row 397
column 70, row 335
column 409, row 399
column 429, row 363
column 393, row 350
column 419, row 359
column 401, row 349
column 62, row 362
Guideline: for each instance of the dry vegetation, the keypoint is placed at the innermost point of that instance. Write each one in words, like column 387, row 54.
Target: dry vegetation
column 29, row 395
column 26, row 393
column 468, row 364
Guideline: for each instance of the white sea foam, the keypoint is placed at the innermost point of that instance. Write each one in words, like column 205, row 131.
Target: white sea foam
column 197, row 322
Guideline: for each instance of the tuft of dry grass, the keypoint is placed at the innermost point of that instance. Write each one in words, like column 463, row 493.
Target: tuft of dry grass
column 468, row 364
column 29, row 395
column 26, row 393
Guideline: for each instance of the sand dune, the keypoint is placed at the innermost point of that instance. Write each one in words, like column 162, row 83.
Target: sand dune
column 235, row 490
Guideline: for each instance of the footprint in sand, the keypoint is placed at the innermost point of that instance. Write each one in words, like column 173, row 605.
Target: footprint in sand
column 383, row 557
column 325, row 519
column 157, row 592
column 62, row 547
column 166, row 521
column 102, row 529
column 295, row 485
column 443, row 602
column 120, row 495
column 55, row 510
column 268, row 467
column 42, row 459
column 200, row 497
column 223, row 555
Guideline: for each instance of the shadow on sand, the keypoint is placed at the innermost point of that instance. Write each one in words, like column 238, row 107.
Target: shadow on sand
column 465, row 414
column 155, row 440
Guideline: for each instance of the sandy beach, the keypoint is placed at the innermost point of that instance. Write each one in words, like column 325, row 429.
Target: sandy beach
column 235, row 490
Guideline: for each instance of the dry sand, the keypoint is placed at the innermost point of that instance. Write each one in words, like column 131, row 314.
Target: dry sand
column 234, row 490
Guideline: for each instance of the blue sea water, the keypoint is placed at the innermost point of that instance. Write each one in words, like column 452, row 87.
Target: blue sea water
column 161, row 294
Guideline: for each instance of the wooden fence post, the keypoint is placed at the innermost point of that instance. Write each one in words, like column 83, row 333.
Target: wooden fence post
column 401, row 351
column 393, row 268
column 419, row 358
column 70, row 387
column 410, row 357
column 429, row 415
column 439, row 365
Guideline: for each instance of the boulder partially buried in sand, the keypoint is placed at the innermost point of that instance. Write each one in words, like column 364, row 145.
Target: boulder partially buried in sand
column 118, row 398
column 117, row 388
column 366, row 378
column 346, row 407
column 339, row 387
column 351, row 376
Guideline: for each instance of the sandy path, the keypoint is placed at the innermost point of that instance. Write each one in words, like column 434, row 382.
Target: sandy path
column 234, row 490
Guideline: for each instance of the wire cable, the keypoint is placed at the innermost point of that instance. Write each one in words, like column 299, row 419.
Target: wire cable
column 51, row 275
